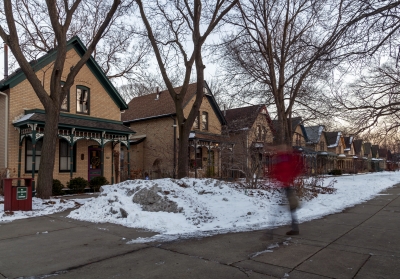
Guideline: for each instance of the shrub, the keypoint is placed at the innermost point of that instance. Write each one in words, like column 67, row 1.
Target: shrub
column 57, row 188
column 77, row 185
column 336, row 172
column 97, row 182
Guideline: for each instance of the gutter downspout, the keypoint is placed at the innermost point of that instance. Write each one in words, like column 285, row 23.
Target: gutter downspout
column 174, row 125
column 6, row 133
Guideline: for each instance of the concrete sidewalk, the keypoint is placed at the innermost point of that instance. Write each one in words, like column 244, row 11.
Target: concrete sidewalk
column 361, row 242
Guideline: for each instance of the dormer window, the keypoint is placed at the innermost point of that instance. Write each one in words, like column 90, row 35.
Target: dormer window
column 82, row 99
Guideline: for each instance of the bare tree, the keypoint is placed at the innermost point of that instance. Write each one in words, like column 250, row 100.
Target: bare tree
column 281, row 48
column 61, row 15
column 372, row 102
column 169, row 26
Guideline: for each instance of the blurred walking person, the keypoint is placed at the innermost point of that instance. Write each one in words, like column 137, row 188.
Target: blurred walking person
column 287, row 166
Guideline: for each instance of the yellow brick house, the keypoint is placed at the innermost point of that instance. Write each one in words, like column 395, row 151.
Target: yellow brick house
column 90, row 127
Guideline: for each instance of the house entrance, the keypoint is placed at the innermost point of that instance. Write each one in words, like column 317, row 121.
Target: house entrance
column 94, row 167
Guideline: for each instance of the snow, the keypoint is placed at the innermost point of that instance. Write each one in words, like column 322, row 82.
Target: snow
column 39, row 208
column 210, row 206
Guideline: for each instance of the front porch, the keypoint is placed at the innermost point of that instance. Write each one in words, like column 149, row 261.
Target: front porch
column 86, row 146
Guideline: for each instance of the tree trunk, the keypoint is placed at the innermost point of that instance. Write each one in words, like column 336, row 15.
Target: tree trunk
column 183, row 155
column 47, row 160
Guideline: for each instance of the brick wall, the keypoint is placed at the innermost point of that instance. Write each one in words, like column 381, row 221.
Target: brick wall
column 214, row 125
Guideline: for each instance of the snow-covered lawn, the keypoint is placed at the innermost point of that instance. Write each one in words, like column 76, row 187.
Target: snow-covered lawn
column 208, row 206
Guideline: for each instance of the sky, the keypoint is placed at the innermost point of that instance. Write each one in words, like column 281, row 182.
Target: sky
column 208, row 206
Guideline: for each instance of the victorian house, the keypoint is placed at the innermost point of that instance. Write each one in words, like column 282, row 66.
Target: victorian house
column 153, row 150
column 250, row 132
column 88, row 134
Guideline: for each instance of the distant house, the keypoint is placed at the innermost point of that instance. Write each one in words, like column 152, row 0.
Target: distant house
column 336, row 145
column 90, row 129
column 359, row 159
column 348, row 164
column 250, row 130
column 154, row 149
column 316, row 140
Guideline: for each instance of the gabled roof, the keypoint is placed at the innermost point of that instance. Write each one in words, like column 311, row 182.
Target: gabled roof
column 333, row 138
column 348, row 141
column 243, row 118
column 367, row 148
column 313, row 133
column 357, row 145
column 18, row 76
column 383, row 152
column 374, row 150
column 160, row 104
column 295, row 122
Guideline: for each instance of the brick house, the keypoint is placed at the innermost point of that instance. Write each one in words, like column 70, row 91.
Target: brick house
column 154, row 148
column 90, row 127
column 336, row 145
column 250, row 132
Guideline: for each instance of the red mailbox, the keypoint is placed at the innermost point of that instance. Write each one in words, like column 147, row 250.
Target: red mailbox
column 17, row 197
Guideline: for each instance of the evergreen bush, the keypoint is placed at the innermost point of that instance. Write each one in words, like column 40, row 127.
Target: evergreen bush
column 97, row 182
column 77, row 185
column 336, row 172
column 57, row 188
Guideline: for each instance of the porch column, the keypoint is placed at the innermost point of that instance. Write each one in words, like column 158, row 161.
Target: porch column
column 71, row 155
column 129, row 158
column 102, row 153
column 112, row 162
column 209, row 159
column 19, row 156
column 33, row 157
column 195, row 159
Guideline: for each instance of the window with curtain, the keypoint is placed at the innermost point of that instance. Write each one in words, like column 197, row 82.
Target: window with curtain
column 29, row 154
column 82, row 100
column 204, row 121
column 64, row 156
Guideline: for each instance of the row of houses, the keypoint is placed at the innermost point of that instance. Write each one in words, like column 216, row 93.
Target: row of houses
column 100, row 134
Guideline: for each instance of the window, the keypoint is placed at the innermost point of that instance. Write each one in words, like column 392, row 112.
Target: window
column 65, row 158
column 65, row 103
column 29, row 154
column 263, row 134
column 199, row 157
column 258, row 132
column 322, row 146
column 204, row 121
column 82, row 100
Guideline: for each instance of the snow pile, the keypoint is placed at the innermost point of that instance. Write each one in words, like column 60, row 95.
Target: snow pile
column 39, row 208
column 206, row 206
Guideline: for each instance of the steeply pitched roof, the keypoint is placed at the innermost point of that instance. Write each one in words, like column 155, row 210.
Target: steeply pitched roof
column 383, row 152
column 348, row 141
column 295, row 122
column 332, row 138
column 244, row 117
column 357, row 145
column 19, row 76
column 374, row 150
column 367, row 148
column 313, row 133
column 160, row 104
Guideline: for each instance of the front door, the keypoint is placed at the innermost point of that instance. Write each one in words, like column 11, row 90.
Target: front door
column 94, row 167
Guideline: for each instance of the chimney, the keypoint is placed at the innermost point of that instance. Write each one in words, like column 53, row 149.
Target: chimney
column 5, row 61
column 158, row 94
